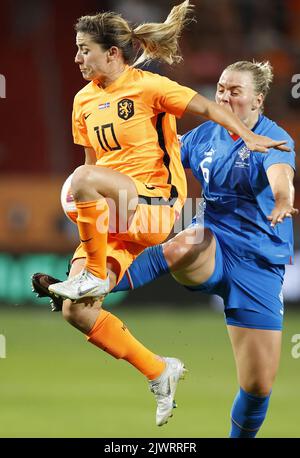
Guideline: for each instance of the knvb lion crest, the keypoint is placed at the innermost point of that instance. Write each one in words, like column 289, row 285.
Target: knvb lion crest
column 125, row 109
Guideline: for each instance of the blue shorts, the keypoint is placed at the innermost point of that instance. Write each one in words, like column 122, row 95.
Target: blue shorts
column 251, row 289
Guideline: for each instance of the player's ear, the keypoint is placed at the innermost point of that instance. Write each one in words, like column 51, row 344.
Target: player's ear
column 258, row 102
column 113, row 53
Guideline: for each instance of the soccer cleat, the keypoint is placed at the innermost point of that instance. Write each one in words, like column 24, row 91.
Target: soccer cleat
column 84, row 284
column 164, row 388
column 40, row 283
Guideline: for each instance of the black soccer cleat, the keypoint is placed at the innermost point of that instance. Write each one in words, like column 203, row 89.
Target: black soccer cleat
column 40, row 283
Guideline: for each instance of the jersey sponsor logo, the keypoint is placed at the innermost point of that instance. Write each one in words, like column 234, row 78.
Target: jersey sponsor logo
column 125, row 109
column 102, row 106
column 86, row 116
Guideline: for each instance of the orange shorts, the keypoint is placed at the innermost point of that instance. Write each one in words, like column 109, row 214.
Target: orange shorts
column 151, row 224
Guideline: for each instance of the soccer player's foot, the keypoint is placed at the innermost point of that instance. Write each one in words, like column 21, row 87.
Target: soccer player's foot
column 84, row 284
column 164, row 388
column 40, row 283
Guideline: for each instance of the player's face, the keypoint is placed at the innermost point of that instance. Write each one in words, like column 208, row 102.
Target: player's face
column 235, row 91
column 92, row 60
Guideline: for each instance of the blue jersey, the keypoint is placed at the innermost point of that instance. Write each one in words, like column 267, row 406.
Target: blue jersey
column 237, row 193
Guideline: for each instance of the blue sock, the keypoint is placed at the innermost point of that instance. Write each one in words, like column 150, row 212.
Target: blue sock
column 247, row 414
column 148, row 266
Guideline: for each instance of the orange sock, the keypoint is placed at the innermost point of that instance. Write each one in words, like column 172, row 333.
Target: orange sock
column 112, row 336
column 92, row 225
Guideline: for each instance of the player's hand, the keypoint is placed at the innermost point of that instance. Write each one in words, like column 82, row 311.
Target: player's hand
column 262, row 144
column 281, row 211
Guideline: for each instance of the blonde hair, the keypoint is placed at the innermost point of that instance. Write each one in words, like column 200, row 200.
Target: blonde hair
column 156, row 41
column 262, row 74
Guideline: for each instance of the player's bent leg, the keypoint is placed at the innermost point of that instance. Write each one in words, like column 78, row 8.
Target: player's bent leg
column 191, row 255
column 147, row 267
column 92, row 182
column 99, row 195
column 257, row 355
column 109, row 333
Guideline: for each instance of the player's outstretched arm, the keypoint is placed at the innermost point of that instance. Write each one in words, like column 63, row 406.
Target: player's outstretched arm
column 281, row 177
column 200, row 105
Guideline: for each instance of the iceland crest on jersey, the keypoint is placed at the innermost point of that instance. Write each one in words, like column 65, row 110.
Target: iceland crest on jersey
column 244, row 154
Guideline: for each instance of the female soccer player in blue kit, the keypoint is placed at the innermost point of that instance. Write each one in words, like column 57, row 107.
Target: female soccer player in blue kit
column 241, row 250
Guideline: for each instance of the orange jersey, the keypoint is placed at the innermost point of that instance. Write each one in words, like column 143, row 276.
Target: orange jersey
column 132, row 127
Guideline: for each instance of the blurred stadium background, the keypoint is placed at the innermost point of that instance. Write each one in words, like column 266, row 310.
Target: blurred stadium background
column 52, row 383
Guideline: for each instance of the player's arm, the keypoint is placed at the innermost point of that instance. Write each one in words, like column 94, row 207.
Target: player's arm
column 281, row 178
column 200, row 105
column 90, row 156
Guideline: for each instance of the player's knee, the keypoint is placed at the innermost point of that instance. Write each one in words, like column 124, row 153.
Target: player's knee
column 176, row 253
column 184, row 251
column 82, row 179
column 206, row 239
column 259, row 388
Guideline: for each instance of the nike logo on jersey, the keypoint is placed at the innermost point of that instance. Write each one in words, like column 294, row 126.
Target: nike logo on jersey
column 87, row 240
column 148, row 186
column 86, row 116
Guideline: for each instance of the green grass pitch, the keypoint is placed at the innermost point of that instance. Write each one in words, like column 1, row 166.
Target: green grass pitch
column 55, row 384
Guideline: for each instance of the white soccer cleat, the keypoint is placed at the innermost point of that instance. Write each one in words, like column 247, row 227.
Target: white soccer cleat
column 164, row 388
column 84, row 284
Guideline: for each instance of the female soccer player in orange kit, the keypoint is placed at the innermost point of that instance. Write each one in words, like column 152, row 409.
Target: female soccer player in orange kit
column 125, row 120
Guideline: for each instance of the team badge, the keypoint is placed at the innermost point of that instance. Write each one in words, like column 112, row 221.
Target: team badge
column 125, row 109
column 243, row 160
column 244, row 153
